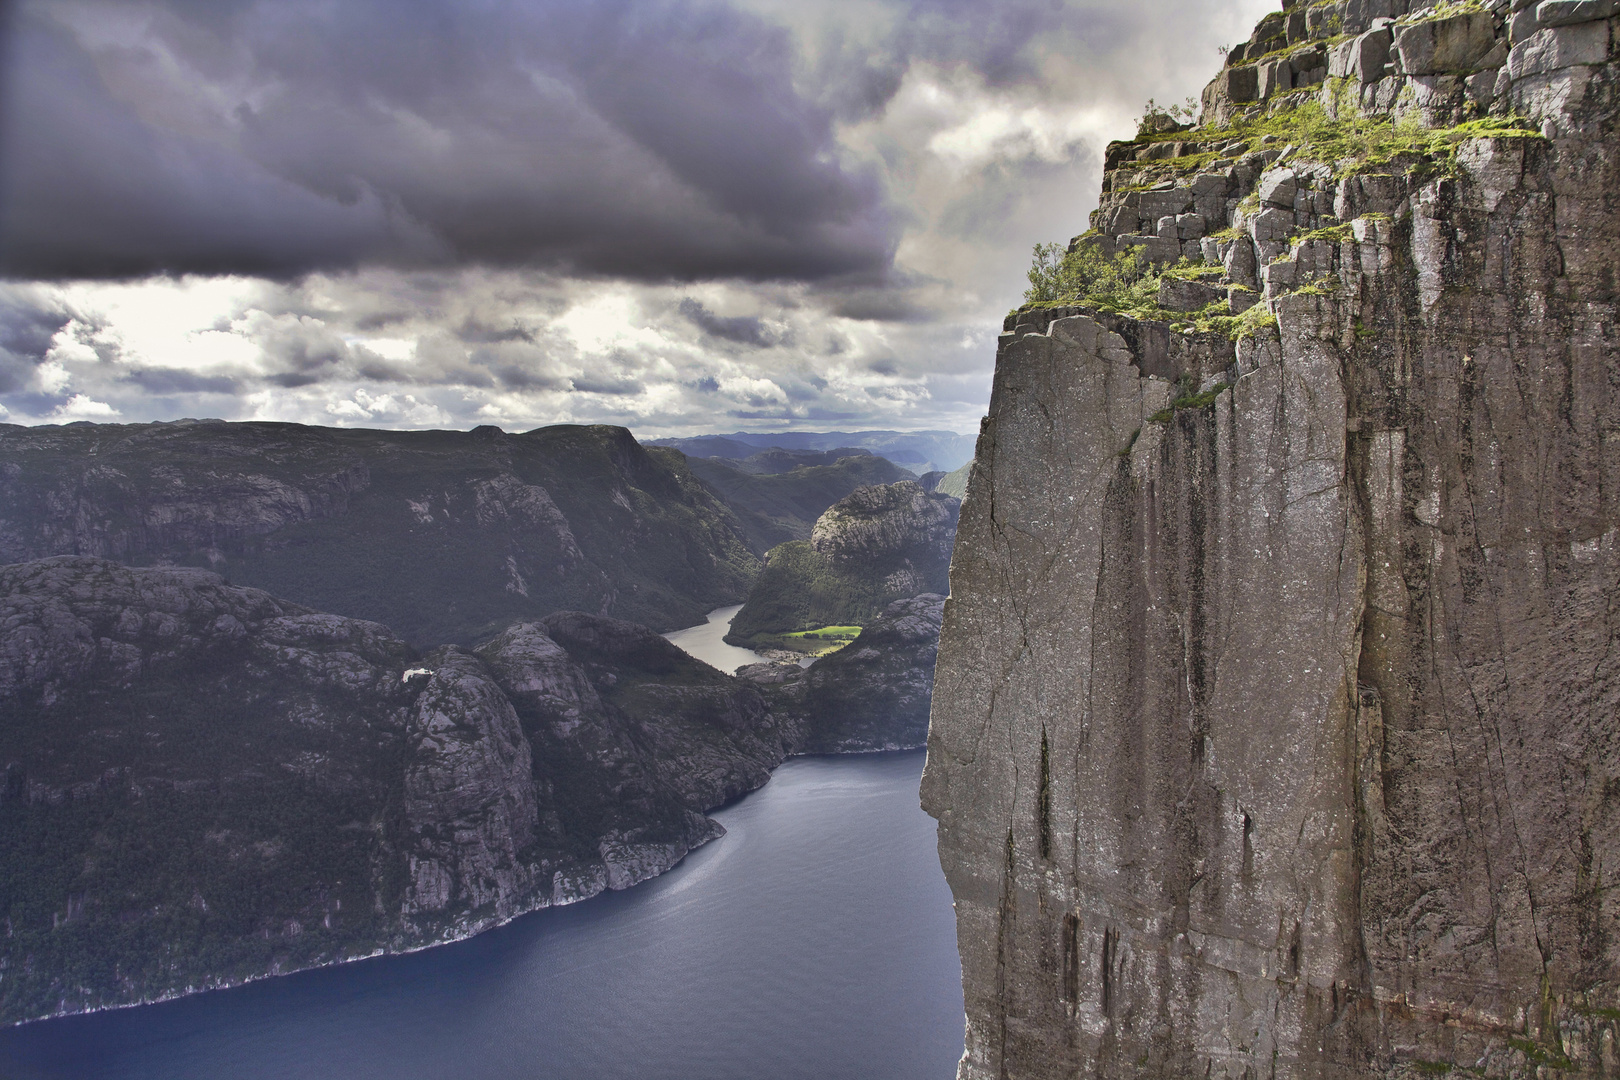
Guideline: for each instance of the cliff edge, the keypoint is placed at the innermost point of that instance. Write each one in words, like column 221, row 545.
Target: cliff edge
column 1275, row 730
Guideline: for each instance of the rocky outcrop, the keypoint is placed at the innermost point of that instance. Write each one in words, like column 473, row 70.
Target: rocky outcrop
column 873, row 694
column 1276, row 714
column 205, row 784
column 875, row 523
column 487, row 527
column 954, row 484
column 469, row 796
column 777, row 495
column 876, row 545
column 705, row 736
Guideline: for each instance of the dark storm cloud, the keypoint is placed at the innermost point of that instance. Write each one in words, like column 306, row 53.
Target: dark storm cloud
column 522, row 378
column 653, row 141
column 1001, row 41
column 157, row 380
column 607, row 384
column 743, row 329
column 88, row 190
column 27, row 325
column 474, row 332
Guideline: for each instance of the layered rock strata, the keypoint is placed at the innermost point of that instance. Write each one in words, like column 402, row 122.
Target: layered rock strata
column 1278, row 710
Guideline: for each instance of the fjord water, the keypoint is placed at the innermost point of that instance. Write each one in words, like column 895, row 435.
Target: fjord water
column 707, row 642
column 814, row 940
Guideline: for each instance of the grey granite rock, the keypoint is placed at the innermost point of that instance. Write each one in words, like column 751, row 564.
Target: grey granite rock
column 1369, row 55
column 1567, row 12
column 1437, row 46
column 1554, row 47
column 1186, row 294
column 1278, row 187
column 1274, row 730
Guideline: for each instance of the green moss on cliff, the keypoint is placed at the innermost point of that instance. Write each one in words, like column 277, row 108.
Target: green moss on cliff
column 1352, row 142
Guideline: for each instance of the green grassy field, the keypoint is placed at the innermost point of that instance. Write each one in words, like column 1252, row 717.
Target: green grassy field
column 820, row 642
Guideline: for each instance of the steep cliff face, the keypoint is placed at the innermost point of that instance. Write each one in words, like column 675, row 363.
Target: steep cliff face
column 205, row 784
column 1276, row 725
column 485, row 527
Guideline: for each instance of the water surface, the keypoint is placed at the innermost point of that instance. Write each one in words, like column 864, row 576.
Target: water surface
column 815, row 941
column 706, row 642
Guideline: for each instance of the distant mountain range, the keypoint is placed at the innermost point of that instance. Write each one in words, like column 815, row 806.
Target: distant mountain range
column 918, row 451
column 445, row 536
column 775, row 507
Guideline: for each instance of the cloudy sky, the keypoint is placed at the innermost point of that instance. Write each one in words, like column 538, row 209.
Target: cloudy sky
column 678, row 215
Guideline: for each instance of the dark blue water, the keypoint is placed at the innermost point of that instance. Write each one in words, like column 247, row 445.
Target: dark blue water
column 815, row 940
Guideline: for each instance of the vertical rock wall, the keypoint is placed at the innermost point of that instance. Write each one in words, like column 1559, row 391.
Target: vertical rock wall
column 1277, row 729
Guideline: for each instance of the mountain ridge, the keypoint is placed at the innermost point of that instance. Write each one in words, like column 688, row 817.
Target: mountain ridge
column 486, row 527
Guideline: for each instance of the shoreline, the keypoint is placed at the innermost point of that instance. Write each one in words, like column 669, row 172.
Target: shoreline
column 461, row 935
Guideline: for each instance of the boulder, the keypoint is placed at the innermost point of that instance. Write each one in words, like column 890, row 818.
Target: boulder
column 1555, row 47
column 1239, row 85
column 1272, row 225
column 1239, row 299
column 1369, row 55
column 1569, row 12
column 1187, row 294
column 1156, row 249
column 1276, row 76
column 1278, row 187
column 1168, row 201
column 1441, row 46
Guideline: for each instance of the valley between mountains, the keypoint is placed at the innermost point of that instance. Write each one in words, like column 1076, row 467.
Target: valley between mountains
column 273, row 697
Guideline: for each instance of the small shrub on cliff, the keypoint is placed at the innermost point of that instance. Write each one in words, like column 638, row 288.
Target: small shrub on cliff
column 1158, row 119
column 1354, row 143
column 1086, row 274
